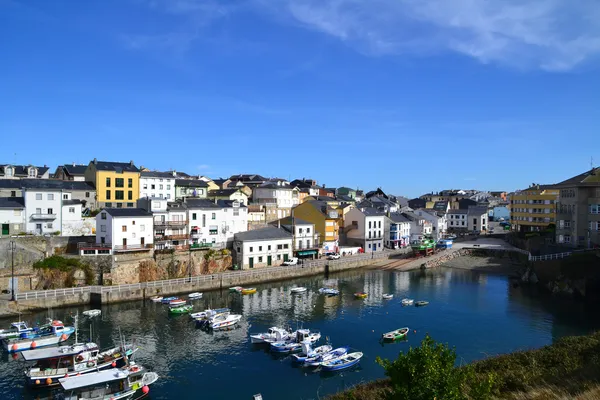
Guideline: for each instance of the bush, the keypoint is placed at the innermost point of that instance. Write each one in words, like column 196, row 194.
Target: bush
column 429, row 372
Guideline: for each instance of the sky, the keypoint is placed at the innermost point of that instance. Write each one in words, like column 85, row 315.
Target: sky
column 411, row 96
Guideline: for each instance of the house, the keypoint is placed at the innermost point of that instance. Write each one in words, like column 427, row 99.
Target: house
column 251, row 180
column 233, row 194
column 154, row 184
column 71, row 172
column 117, row 184
column 442, row 206
column 365, row 227
column 213, row 223
column 457, row 220
column 379, row 202
column 170, row 223
column 306, row 239
column 328, row 192
column 124, row 229
column 502, row 195
column 439, row 223
column 43, row 210
column 326, row 219
column 346, row 191
column 360, row 196
column 396, row 231
column 211, row 184
column 11, row 171
column 278, row 193
column 534, row 208
column 222, row 183
column 345, row 200
column 330, row 201
column 73, row 223
column 417, row 203
column 477, row 218
column 12, row 215
column 419, row 226
column 264, row 247
column 83, row 191
column 194, row 188
column 256, row 216
column 578, row 210
column 464, row 204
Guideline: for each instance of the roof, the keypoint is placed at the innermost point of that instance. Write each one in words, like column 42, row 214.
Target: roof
column 115, row 166
column 440, row 206
column 55, row 352
column 222, row 192
column 45, row 184
column 71, row 202
column 324, row 198
column 220, row 181
column 127, row 212
column 372, row 212
column 291, row 221
column 191, row 183
column 277, row 184
column 74, row 169
column 476, row 210
column 12, row 202
column 398, row 218
column 589, row 177
column 347, row 189
column 270, row 233
column 156, row 174
column 343, row 197
column 206, row 203
column 458, row 211
column 22, row 170
column 105, row 376
column 248, row 178
column 322, row 207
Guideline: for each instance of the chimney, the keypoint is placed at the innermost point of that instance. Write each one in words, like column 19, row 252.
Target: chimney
column 215, row 200
column 73, row 163
column 323, row 186
column 95, row 161
column 131, row 162
column 279, row 223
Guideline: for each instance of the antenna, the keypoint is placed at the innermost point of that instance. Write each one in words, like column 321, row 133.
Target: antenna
column 592, row 162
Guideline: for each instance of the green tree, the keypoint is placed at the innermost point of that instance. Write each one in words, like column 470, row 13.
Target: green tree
column 428, row 372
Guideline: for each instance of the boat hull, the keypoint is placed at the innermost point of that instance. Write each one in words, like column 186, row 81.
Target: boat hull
column 344, row 362
column 13, row 346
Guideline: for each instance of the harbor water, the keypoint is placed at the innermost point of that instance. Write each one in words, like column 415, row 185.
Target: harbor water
column 481, row 315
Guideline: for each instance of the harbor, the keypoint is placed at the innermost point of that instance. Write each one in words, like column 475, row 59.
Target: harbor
column 464, row 308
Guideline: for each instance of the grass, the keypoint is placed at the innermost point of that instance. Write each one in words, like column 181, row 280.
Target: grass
column 568, row 369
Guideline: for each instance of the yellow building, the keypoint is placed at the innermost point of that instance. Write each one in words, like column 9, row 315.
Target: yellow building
column 534, row 208
column 117, row 184
column 325, row 218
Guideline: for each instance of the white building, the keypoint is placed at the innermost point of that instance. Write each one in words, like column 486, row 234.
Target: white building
column 157, row 185
column 306, row 239
column 214, row 223
column 419, row 226
column 170, row 222
column 397, row 231
column 262, row 247
column 439, row 224
column 11, row 171
column 457, row 220
column 365, row 227
column 277, row 192
column 43, row 210
column 125, row 229
column 477, row 218
column 73, row 224
column 12, row 215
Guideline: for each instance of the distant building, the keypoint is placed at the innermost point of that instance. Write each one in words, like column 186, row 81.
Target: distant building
column 11, row 171
column 124, row 229
column 365, row 227
column 12, row 215
column 70, row 172
column 190, row 188
column 233, row 194
column 155, row 184
column 117, row 183
column 457, row 221
column 397, row 231
column 534, row 208
column 260, row 248
column 306, row 239
column 277, row 193
column 327, row 221
column 213, row 223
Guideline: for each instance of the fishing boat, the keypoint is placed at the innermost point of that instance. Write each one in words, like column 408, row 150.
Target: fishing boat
column 219, row 321
column 194, row 296
column 130, row 382
column 332, row 355
column 167, row 300
column 329, row 291
column 395, row 335
column 235, row 289
column 248, row 290
column 209, row 313
column 308, row 352
column 295, row 342
column 273, row 334
column 407, row 302
column 388, row 296
column 183, row 309
column 424, row 246
column 45, row 336
column 360, row 295
column 53, row 363
column 421, row 303
column 15, row 330
column 92, row 313
column 298, row 289
column 177, row 302
column 343, row 362
column 156, row 299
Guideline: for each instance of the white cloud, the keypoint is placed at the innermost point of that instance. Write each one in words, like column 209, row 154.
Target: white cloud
column 203, row 167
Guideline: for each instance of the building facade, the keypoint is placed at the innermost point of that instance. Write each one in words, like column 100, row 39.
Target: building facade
column 534, row 208
column 70, row 172
column 278, row 193
column 365, row 227
column 457, row 220
column 157, row 185
column 12, row 216
column 264, row 247
column 170, row 223
column 326, row 219
column 190, row 188
column 305, row 238
column 125, row 229
column 214, row 223
column 117, row 184
column 397, row 231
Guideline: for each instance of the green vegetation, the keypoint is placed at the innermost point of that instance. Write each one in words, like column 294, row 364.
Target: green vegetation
column 58, row 271
column 566, row 369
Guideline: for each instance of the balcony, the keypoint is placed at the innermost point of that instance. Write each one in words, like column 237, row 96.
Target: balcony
column 132, row 247
column 204, row 246
column 163, row 224
column 43, row 217
column 91, row 246
column 313, row 246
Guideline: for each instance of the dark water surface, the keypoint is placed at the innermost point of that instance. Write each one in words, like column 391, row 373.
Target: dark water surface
column 480, row 314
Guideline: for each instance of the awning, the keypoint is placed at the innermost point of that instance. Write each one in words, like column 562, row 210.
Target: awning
column 307, row 252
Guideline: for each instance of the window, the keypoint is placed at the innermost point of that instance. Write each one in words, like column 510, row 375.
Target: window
column 108, row 205
column 119, row 205
column 168, row 187
column 108, row 195
column 160, row 187
column 474, row 221
column 124, row 228
column 107, row 182
column 119, row 182
column 38, row 210
column 567, row 224
column 594, row 208
column 32, row 172
column 145, row 186
column 119, row 195
column 103, row 216
column 260, row 259
column 17, row 213
column 72, row 210
column 369, row 245
column 463, row 223
column 369, row 224
column 87, row 194
column 129, row 183
column 259, row 248
column 214, row 216
column 130, row 205
column 379, row 224
column 50, row 211
column 65, row 197
column 285, row 246
column 102, row 228
column 152, row 187
column 38, row 196
column 50, row 196
column 49, row 226
column 307, row 230
column 193, row 216
column 130, row 195
column 8, row 171
column 236, row 212
column 279, row 246
column 251, row 249
column 279, row 256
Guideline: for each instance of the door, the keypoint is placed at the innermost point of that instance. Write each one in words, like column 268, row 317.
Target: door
column 5, row 229
column 251, row 262
column 285, row 257
column 143, row 241
column 124, row 243
column 269, row 260
column 38, row 228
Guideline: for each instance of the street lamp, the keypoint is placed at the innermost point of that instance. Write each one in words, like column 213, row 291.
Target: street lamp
column 12, row 247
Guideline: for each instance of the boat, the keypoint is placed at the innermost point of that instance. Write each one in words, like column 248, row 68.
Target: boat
column 273, row 334
column 156, row 299
column 92, row 313
column 332, row 355
column 343, row 362
column 183, row 309
column 329, row 291
column 219, row 321
column 209, row 313
column 114, row 383
column 45, row 336
column 53, row 363
column 298, row 289
column 424, row 246
column 194, row 296
column 360, row 295
column 167, row 300
column 388, row 296
column 15, row 330
column 295, row 341
column 176, row 302
column 235, row 289
column 395, row 335
column 248, row 290
column 421, row 303
column 407, row 302
column 309, row 352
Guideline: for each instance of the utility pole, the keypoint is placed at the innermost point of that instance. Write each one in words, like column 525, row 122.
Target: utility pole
column 13, row 247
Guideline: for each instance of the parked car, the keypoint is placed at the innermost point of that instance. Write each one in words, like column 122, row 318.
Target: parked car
column 291, row 261
column 333, row 256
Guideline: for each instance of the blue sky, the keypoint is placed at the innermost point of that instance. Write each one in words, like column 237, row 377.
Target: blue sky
column 408, row 95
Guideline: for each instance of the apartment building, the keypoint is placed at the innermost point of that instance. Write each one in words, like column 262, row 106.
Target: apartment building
column 534, row 208
column 117, row 183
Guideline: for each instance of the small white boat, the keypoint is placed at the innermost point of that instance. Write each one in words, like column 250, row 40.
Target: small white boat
column 421, row 303
column 298, row 289
column 92, row 313
column 194, row 296
column 345, row 361
column 220, row 321
column 388, row 296
column 331, row 355
column 177, row 302
column 309, row 352
column 15, row 330
column 209, row 313
column 329, row 291
column 407, row 302
column 274, row 334
column 156, row 299
column 235, row 289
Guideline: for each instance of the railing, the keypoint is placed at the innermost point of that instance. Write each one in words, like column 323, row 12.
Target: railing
column 85, row 245
column 170, row 223
column 172, row 237
column 132, row 247
column 196, row 246
column 44, row 294
column 41, row 216
column 547, row 257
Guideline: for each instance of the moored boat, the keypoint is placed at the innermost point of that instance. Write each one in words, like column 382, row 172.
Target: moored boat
column 407, row 302
column 248, row 290
column 177, row 302
column 92, row 313
column 156, row 299
column 298, row 289
column 15, row 330
column 388, row 296
column 294, row 343
column 343, row 362
column 46, row 336
column 167, row 300
column 219, row 321
column 209, row 313
column 183, row 309
column 308, row 352
column 421, row 303
column 360, row 295
column 331, row 355
column 329, row 291
column 194, row 296
column 235, row 289
column 274, row 334
column 395, row 335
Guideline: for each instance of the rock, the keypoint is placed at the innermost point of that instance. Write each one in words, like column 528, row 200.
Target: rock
column 533, row 278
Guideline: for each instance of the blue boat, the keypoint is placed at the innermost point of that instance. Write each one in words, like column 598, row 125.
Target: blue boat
column 295, row 343
column 343, row 362
column 285, row 347
column 332, row 355
column 309, row 352
column 167, row 300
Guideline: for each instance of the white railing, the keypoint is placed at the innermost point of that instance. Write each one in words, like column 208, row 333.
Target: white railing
column 547, row 257
column 44, row 294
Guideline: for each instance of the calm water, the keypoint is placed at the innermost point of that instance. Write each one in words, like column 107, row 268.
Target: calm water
column 479, row 314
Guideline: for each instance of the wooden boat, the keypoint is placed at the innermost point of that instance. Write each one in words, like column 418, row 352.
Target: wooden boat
column 45, row 336
column 92, row 313
column 194, row 296
column 235, row 289
column 15, row 330
column 183, row 309
column 360, row 295
column 156, row 299
column 407, row 302
column 343, row 362
column 332, row 355
column 421, row 303
column 248, row 290
column 177, row 302
column 395, row 335
column 298, row 289
column 388, row 296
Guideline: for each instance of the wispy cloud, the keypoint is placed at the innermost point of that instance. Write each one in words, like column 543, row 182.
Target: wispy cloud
column 203, row 167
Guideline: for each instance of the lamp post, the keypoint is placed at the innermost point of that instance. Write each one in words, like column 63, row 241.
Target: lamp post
column 13, row 247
